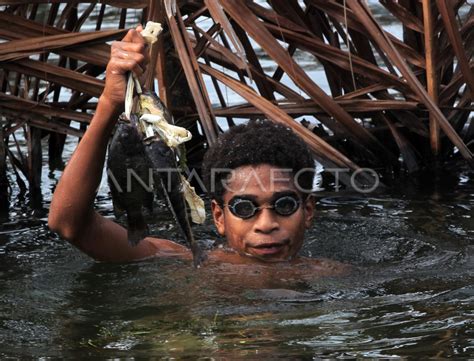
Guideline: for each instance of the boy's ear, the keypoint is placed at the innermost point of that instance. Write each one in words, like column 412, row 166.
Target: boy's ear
column 308, row 207
column 218, row 217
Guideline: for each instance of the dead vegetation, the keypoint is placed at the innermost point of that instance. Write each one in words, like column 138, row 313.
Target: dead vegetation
column 396, row 104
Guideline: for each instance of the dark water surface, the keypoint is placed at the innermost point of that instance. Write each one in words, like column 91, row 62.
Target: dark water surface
column 410, row 294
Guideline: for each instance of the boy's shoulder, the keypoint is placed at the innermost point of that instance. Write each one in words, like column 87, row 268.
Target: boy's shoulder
column 300, row 266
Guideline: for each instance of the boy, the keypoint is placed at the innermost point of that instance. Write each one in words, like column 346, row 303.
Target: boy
column 260, row 202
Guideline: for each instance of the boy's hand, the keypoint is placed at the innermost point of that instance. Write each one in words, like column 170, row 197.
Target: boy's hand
column 130, row 54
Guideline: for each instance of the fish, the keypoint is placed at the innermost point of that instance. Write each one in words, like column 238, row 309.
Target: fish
column 157, row 144
column 135, row 158
column 166, row 174
column 128, row 177
column 163, row 147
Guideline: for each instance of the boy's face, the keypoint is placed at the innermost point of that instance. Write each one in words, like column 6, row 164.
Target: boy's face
column 266, row 235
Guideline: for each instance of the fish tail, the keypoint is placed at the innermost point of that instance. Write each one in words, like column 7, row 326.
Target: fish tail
column 137, row 228
column 199, row 256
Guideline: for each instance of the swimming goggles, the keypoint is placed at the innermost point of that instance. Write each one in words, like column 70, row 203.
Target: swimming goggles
column 246, row 208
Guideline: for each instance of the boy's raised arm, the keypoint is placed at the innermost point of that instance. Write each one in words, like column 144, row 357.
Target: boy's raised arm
column 72, row 212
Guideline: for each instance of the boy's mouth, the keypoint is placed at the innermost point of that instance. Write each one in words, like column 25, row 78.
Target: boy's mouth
column 268, row 248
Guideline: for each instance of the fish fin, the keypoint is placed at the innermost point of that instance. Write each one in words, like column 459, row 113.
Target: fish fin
column 136, row 235
column 148, row 202
column 137, row 228
column 199, row 255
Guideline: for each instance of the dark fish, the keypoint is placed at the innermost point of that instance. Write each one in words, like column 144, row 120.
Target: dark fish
column 166, row 174
column 132, row 152
column 128, row 176
column 163, row 157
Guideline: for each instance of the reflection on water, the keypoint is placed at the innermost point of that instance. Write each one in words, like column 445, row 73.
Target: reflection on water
column 410, row 292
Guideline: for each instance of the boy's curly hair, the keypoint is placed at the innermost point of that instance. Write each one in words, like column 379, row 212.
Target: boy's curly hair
column 255, row 143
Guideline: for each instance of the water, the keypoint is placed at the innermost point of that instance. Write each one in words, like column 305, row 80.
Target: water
column 410, row 292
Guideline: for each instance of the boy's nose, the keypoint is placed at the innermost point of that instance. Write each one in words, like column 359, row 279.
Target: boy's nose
column 266, row 221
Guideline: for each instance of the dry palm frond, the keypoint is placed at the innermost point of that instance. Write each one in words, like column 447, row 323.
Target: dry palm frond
column 133, row 4
column 384, row 42
column 447, row 14
column 185, row 53
column 377, row 98
column 318, row 146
